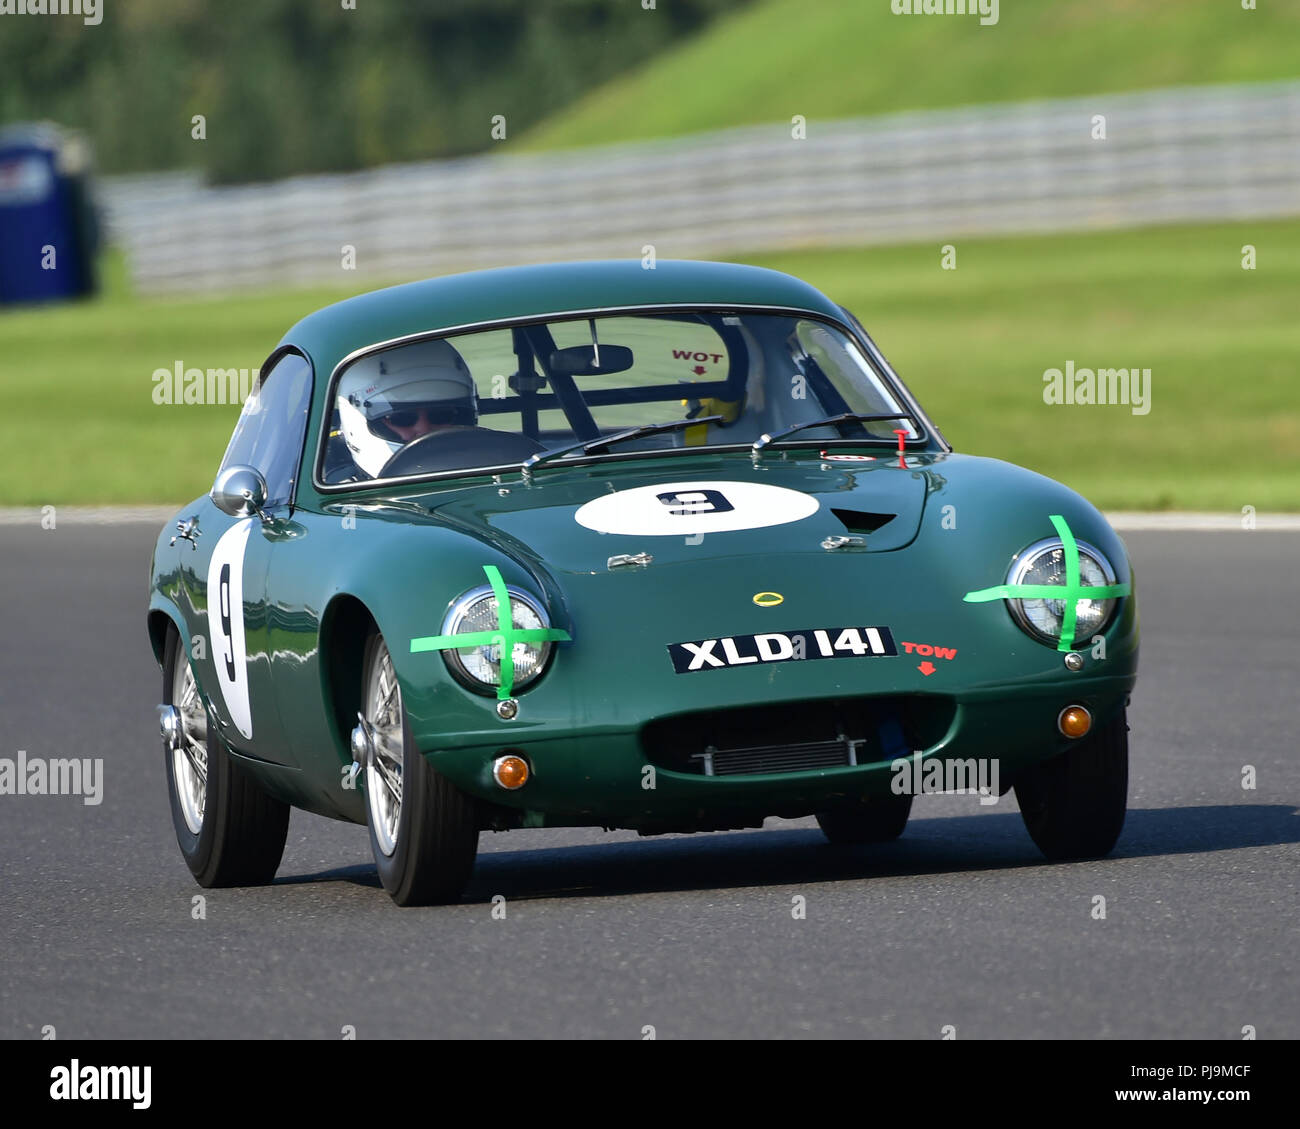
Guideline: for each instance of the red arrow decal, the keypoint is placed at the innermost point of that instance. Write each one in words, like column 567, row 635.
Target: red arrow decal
column 927, row 668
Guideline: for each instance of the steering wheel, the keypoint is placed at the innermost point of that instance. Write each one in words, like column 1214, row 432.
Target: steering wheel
column 459, row 449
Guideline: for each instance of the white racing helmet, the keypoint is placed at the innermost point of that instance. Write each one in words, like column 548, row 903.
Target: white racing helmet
column 427, row 375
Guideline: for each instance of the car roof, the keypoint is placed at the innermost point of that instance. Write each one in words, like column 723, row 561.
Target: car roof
column 332, row 333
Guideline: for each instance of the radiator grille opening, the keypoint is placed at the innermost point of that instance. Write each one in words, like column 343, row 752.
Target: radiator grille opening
column 776, row 758
column 799, row 737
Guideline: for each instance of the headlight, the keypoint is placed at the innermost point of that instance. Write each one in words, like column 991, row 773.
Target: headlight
column 478, row 667
column 1044, row 563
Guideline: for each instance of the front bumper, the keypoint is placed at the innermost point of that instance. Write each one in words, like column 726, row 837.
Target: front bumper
column 606, row 776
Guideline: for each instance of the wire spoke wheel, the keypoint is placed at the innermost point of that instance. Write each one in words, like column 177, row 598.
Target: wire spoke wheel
column 382, row 710
column 190, row 761
column 423, row 829
column 230, row 831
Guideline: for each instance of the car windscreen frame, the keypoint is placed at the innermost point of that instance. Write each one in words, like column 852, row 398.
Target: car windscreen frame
column 926, row 437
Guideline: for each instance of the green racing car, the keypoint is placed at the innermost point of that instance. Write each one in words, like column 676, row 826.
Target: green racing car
column 588, row 544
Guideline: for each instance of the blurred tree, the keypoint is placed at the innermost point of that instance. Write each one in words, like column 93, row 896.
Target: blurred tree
column 295, row 86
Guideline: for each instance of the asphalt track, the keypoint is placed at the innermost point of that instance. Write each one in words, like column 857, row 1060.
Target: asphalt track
column 960, row 922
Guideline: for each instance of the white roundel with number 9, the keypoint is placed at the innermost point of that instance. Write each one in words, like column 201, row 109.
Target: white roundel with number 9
column 226, row 622
column 689, row 508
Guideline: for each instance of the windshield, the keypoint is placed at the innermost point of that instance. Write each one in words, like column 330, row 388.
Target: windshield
column 492, row 398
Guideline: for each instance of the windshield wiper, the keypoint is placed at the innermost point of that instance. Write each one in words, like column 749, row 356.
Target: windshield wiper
column 587, row 446
column 844, row 417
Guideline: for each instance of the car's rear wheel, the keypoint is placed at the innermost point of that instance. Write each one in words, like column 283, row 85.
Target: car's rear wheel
column 423, row 829
column 1074, row 804
column 877, row 820
column 230, row 832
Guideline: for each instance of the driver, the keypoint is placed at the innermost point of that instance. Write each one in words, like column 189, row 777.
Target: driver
column 393, row 398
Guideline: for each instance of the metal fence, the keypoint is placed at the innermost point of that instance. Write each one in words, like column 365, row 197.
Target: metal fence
column 1174, row 155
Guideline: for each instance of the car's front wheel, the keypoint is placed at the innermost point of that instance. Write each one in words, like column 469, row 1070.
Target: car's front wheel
column 423, row 829
column 229, row 830
column 877, row 820
column 1074, row 804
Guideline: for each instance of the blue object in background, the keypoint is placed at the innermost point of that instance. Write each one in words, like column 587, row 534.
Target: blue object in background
column 45, row 204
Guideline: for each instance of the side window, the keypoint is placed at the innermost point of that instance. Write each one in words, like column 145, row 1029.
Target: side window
column 270, row 432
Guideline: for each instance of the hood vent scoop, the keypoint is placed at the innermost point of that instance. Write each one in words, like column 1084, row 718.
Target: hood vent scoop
column 860, row 521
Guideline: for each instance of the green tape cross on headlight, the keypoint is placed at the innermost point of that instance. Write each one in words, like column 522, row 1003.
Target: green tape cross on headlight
column 505, row 637
column 1071, row 591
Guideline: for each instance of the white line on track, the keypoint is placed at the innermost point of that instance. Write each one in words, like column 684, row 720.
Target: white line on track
column 87, row 515
column 1202, row 523
column 1122, row 521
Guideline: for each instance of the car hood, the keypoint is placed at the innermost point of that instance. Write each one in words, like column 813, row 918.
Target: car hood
column 683, row 511
column 957, row 522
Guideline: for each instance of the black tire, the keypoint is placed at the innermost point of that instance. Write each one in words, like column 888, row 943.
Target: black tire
column 877, row 820
column 1074, row 804
column 241, row 838
column 437, row 824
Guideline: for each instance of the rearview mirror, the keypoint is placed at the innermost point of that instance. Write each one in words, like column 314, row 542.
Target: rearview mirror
column 240, row 491
column 580, row 360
